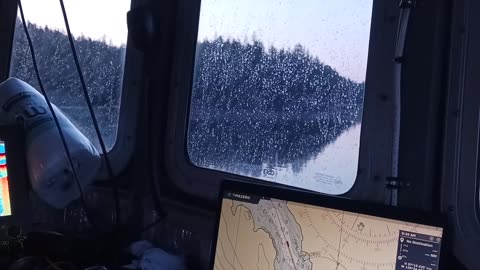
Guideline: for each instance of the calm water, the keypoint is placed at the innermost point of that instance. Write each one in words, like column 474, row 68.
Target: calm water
column 333, row 170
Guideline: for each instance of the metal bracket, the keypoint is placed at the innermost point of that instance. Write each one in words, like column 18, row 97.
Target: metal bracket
column 407, row 3
column 396, row 183
column 405, row 8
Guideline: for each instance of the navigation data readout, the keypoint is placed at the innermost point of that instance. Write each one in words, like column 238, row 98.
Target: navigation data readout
column 270, row 234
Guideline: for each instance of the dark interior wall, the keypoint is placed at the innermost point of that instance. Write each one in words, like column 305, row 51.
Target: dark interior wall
column 423, row 104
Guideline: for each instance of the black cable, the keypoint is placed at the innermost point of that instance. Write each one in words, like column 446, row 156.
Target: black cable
column 92, row 114
column 406, row 7
column 52, row 111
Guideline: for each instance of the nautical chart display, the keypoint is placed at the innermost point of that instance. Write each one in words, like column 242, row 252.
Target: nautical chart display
column 269, row 234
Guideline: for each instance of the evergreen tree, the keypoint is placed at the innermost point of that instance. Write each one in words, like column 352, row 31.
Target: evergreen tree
column 249, row 104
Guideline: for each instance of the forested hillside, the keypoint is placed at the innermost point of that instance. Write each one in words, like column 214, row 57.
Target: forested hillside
column 252, row 105
column 249, row 104
column 102, row 66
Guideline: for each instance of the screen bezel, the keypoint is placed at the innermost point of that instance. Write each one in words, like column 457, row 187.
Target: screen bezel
column 316, row 199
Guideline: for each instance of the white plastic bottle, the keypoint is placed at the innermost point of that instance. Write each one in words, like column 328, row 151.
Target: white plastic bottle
column 49, row 170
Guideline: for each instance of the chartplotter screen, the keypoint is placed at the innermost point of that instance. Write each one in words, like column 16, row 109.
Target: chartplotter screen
column 259, row 231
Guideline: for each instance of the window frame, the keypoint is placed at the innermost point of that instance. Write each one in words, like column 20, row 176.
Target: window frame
column 8, row 11
column 376, row 134
column 123, row 148
column 461, row 170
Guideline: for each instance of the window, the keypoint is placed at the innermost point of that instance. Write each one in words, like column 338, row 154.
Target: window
column 278, row 90
column 100, row 41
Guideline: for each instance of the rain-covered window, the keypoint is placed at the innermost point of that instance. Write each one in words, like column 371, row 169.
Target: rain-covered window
column 278, row 90
column 100, row 31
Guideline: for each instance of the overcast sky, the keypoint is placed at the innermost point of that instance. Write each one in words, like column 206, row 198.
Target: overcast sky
column 92, row 18
column 336, row 31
